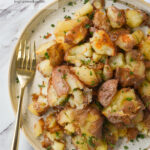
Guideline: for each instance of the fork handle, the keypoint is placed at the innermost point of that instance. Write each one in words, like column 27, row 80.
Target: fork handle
column 18, row 122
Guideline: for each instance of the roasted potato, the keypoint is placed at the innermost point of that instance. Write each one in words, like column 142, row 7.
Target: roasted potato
column 42, row 50
column 98, row 4
column 45, row 68
column 144, row 91
column 71, row 31
column 107, row 72
column 117, row 61
column 101, row 21
column 148, row 75
column 79, row 54
column 90, row 74
column 107, row 91
column 39, row 127
column 134, row 18
column 124, row 107
column 102, row 44
column 39, row 107
column 88, row 121
column 138, row 36
column 58, row 145
column 126, row 42
column 85, row 10
column 145, row 48
column 116, row 17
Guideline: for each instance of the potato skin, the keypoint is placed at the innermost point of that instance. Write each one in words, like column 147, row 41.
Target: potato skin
column 116, row 17
column 58, row 80
column 101, row 21
column 107, row 91
column 124, row 107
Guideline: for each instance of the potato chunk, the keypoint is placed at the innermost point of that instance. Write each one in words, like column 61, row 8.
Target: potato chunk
column 88, row 121
column 102, row 44
column 134, row 18
column 91, row 77
column 100, row 20
column 126, row 42
column 79, row 54
column 124, row 107
column 85, row 10
column 107, row 72
column 117, row 61
column 145, row 48
column 116, row 17
column 144, row 91
column 107, row 91
column 138, row 36
column 39, row 127
column 71, row 31
column 45, row 68
column 148, row 75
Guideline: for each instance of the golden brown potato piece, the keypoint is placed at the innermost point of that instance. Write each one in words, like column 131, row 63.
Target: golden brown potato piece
column 102, row 44
column 56, row 54
column 127, row 77
column 107, row 72
column 116, row 17
column 85, row 10
column 145, row 48
column 101, row 21
column 144, row 91
column 135, row 18
column 114, row 34
column 39, row 127
column 132, row 133
column 38, row 108
column 78, row 33
column 138, row 36
column 124, row 107
column 45, row 68
column 88, row 121
column 126, row 42
column 107, row 91
column 148, row 74
column 92, row 78
column 117, row 61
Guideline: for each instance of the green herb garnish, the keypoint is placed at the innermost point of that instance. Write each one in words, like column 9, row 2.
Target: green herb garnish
column 70, row 3
column 67, row 17
column 87, row 26
column 46, row 55
column 52, row 25
column 65, row 101
column 17, row 80
column 129, row 98
column 64, row 76
column 85, row 1
column 90, row 141
column 41, row 86
column 126, row 147
column 48, row 148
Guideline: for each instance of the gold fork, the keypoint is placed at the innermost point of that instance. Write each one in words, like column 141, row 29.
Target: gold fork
column 25, row 69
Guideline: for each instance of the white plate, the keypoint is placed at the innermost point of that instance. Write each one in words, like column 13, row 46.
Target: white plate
column 41, row 24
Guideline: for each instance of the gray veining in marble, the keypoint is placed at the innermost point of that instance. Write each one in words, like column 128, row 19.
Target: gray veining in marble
column 13, row 18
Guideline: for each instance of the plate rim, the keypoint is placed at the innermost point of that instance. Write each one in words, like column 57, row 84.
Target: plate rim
column 13, row 55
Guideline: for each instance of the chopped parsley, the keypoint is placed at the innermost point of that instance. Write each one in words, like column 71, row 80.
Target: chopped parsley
column 147, row 104
column 75, row 89
column 140, row 136
column 119, row 14
column 98, row 105
column 52, row 25
column 131, row 72
column 126, row 147
column 87, row 26
column 64, row 76
column 41, row 86
column 114, row 1
column 57, row 134
column 129, row 98
column 17, row 96
column 93, row 83
column 70, row 3
column 91, row 73
column 64, row 9
column 85, row 62
column 17, row 80
column 65, row 101
column 48, row 148
column 131, row 59
column 85, row 1
column 67, row 17
column 46, row 55
column 32, row 31
column 90, row 141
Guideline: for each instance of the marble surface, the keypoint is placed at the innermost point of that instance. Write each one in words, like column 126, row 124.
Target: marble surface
column 13, row 18
column 14, row 15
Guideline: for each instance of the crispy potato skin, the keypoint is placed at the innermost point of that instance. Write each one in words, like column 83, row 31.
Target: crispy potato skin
column 132, row 133
column 114, row 34
column 102, row 44
column 58, row 80
column 107, row 91
column 101, row 21
column 78, row 33
column 127, row 78
column 116, row 17
column 124, row 107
